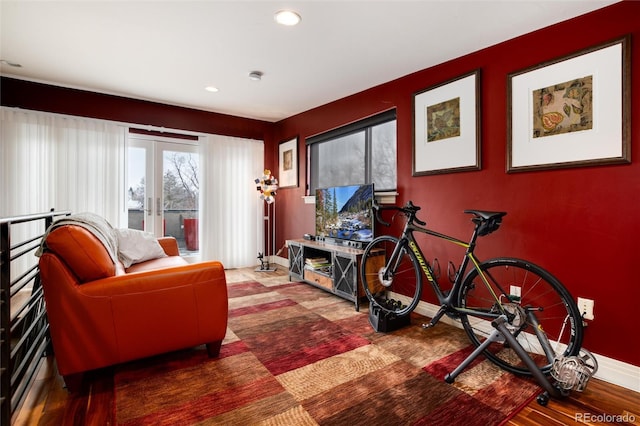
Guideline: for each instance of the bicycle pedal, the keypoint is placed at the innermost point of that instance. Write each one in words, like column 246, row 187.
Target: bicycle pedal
column 436, row 318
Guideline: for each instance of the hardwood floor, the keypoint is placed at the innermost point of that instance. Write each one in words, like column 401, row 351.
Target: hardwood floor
column 600, row 403
column 48, row 403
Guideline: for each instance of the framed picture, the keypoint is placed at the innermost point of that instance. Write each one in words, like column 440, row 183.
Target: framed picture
column 571, row 112
column 288, row 164
column 446, row 127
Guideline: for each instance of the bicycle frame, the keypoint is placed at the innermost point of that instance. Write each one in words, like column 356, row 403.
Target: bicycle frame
column 449, row 299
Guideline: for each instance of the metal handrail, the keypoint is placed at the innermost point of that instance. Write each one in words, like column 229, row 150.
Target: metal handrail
column 24, row 336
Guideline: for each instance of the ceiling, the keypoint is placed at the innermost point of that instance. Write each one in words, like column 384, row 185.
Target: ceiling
column 169, row 51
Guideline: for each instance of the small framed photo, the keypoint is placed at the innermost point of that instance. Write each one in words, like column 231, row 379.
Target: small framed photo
column 571, row 112
column 288, row 164
column 446, row 127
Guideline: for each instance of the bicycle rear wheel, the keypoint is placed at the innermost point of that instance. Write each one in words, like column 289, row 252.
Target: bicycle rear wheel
column 544, row 311
column 393, row 284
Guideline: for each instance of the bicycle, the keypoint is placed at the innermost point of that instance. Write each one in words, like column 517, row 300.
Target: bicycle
column 532, row 310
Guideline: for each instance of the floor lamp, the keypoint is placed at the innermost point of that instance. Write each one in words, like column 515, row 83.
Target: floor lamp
column 267, row 185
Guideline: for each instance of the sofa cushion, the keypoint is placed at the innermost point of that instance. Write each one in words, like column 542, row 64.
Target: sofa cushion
column 82, row 252
column 137, row 246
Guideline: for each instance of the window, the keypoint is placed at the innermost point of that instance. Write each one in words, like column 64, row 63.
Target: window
column 361, row 152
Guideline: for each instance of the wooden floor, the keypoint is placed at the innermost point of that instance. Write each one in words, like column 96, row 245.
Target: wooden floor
column 48, row 403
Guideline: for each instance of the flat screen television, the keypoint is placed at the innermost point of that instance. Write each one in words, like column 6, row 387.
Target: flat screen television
column 344, row 212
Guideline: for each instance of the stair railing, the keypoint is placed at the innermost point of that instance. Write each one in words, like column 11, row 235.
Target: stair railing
column 24, row 329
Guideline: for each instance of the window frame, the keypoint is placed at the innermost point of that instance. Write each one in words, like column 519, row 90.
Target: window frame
column 365, row 125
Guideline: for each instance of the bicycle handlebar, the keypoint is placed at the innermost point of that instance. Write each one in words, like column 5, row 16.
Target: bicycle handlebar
column 409, row 210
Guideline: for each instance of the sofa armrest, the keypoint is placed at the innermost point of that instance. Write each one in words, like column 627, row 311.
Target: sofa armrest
column 169, row 245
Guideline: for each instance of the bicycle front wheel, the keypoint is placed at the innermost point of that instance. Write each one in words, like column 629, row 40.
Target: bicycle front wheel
column 392, row 282
column 540, row 313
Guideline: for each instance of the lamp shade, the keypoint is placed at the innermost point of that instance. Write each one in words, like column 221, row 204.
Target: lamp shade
column 267, row 185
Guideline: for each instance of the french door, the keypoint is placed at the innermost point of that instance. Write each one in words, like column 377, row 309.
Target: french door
column 163, row 188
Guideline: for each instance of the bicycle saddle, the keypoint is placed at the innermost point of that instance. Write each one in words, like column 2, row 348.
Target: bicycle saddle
column 486, row 215
column 486, row 221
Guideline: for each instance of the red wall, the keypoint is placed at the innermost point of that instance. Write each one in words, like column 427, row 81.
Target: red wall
column 582, row 224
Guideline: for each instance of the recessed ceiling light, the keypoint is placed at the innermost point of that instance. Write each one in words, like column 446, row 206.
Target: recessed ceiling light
column 287, row 17
column 211, row 89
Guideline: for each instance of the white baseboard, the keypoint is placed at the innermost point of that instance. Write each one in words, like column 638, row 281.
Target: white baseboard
column 609, row 370
column 282, row 261
column 618, row 372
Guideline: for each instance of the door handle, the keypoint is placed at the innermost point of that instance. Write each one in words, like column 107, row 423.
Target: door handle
column 158, row 210
column 149, row 209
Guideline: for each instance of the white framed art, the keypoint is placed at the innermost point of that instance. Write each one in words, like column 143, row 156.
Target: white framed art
column 446, row 127
column 288, row 163
column 571, row 112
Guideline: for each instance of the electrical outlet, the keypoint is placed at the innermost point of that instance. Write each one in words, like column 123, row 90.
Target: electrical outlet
column 514, row 290
column 585, row 306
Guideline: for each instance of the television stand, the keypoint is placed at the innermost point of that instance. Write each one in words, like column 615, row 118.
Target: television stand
column 332, row 267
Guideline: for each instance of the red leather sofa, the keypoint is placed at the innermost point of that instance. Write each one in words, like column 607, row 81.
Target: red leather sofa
column 101, row 313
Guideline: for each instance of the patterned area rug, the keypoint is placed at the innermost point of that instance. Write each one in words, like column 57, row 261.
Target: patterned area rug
column 296, row 355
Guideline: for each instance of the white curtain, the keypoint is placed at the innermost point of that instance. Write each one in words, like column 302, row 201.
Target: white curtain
column 232, row 228
column 62, row 162
column 78, row 164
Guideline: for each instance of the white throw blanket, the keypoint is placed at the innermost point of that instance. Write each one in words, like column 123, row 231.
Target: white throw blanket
column 93, row 223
